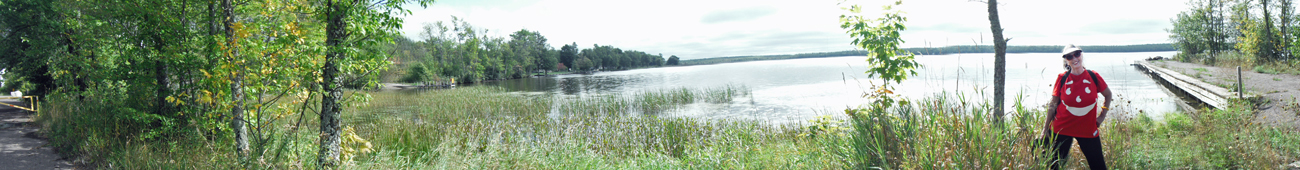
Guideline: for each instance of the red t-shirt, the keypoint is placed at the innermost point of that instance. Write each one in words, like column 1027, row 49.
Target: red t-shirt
column 1076, row 116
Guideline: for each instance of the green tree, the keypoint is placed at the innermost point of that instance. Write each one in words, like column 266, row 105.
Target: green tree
column 673, row 60
column 550, row 60
column 460, row 50
column 236, row 82
column 406, row 53
column 658, row 60
column 568, row 53
column 1258, row 37
column 532, row 48
column 1201, row 31
column 354, row 29
column 881, row 39
column 583, row 63
column 32, row 33
column 150, row 68
column 1188, row 34
column 1266, row 45
column 1286, row 18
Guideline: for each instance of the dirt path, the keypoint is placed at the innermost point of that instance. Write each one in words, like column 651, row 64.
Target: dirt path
column 19, row 147
column 1281, row 91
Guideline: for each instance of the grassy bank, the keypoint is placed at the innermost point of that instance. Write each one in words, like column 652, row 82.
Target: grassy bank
column 485, row 128
column 1220, row 139
column 1230, row 59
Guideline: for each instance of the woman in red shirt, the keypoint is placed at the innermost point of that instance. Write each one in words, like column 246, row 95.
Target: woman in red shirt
column 1076, row 112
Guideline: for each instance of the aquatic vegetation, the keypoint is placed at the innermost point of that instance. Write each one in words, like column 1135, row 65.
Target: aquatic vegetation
column 650, row 101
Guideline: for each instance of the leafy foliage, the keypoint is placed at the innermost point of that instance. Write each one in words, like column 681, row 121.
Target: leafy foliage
column 881, row 39
column 28, row 39
column 150, row 71
column 1201, row 29
column 1265, row 30
column 569, row 53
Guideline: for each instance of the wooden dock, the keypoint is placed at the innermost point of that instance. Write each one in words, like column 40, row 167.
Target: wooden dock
column 1213, row 96
column 397, row 86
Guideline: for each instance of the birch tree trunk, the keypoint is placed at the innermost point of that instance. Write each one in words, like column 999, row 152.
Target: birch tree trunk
column 236, row 84
column 329, row 117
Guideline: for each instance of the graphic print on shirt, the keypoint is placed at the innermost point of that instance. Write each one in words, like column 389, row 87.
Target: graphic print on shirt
column 1070, row 88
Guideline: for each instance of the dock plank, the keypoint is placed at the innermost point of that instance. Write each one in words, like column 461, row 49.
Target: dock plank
column 1209, row 94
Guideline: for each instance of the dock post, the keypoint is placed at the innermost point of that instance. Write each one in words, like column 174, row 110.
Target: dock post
column 1241, row 93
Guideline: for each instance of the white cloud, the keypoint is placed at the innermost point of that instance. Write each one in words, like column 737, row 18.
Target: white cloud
column 743, row 14
column 716, row 28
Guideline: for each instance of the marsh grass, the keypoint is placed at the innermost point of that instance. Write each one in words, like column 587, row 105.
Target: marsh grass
column 487, row 128
column 525, row 138
column 650, row 102
column 936, row 133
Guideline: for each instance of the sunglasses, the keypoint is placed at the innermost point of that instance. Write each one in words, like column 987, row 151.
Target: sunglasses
column 1071, row 56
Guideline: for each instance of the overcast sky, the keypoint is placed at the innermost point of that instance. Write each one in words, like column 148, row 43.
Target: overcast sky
column 717, row 28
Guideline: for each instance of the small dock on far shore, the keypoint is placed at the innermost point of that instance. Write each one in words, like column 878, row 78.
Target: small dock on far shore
column 398, row 86
column 1211, row 95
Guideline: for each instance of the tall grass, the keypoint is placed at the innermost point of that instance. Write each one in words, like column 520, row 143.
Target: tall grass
column 946, row 135
column 939, row 132
column 651, row 101
column 935, row 133
column 1218, row 139
column 486, row 128
column 574, row 138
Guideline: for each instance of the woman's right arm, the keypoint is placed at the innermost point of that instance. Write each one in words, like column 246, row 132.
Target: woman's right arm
column 1051, row 115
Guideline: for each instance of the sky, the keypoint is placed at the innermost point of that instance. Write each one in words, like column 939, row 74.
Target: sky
column 693, row 29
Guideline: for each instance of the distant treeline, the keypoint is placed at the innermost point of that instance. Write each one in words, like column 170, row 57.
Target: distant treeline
column 940, row 51
column 1042, row 49
column 733, row 59
column 459, row 52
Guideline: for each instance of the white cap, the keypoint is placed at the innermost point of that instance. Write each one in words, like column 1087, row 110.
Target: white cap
column 1070, row 49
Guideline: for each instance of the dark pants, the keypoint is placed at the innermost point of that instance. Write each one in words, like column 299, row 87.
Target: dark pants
column 1091, row 148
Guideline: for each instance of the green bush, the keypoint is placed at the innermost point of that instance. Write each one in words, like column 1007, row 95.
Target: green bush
column 1179, row 123
column 417, row 73
column 96, row 122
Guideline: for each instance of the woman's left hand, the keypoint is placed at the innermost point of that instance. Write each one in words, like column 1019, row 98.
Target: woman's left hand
column 1102, row 117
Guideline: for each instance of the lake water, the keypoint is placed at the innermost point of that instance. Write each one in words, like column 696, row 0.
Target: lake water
column 797, row 90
